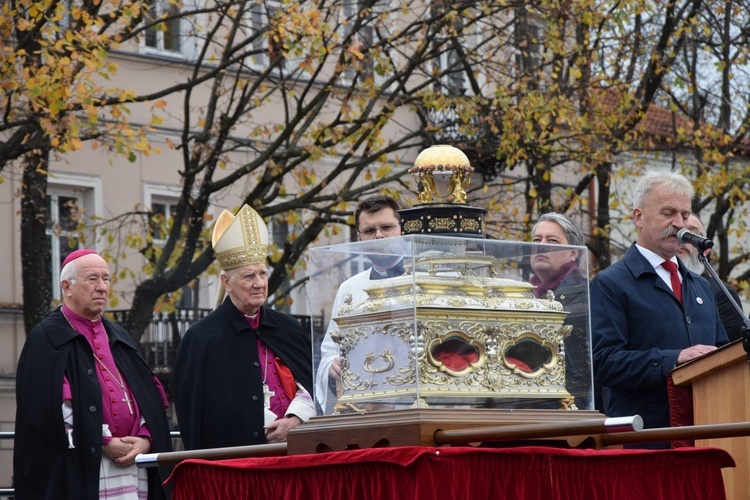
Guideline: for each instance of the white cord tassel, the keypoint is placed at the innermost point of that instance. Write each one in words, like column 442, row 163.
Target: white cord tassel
column 67, row 411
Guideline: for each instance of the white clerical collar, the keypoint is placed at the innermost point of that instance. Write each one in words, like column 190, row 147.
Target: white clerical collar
column 383, row 273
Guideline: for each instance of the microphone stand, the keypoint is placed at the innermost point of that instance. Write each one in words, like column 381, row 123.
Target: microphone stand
column 745, row 319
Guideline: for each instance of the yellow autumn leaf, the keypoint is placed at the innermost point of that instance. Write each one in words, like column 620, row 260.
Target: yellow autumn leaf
column 354, row 50
column 294, row 217
column 383, row 170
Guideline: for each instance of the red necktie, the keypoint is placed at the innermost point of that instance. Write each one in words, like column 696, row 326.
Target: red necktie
column 674, row 277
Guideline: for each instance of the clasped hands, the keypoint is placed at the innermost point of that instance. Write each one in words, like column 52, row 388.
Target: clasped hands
column 122, row 451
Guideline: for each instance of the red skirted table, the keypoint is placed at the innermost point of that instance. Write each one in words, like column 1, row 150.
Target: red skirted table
column 461, row 473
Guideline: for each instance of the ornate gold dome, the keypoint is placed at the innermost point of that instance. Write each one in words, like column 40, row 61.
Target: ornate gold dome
column 442, row 172
column 441, row 157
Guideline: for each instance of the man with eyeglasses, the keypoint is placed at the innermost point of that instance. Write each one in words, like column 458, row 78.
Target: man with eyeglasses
column 375, row 217
column 86, row 401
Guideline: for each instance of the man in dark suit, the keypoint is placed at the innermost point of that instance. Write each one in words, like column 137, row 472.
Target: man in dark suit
column 648, row 312
column 731, row 319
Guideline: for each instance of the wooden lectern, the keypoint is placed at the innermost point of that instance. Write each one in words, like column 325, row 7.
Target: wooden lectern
column 720, row 384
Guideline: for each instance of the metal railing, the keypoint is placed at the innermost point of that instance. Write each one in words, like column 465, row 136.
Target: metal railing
column 6, row 492
column 162, row 337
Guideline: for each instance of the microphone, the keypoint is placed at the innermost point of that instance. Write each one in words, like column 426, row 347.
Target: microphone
column 699, row 242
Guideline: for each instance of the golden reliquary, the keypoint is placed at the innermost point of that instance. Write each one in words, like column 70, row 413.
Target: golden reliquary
column 451, row 332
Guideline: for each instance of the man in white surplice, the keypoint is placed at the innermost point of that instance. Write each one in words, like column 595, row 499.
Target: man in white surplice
column 375, row 217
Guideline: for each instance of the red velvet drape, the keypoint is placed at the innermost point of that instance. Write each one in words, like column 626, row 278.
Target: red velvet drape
column 461, row 473
column 680, row 409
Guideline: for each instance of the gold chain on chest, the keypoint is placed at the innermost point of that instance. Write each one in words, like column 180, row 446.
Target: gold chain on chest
column 120, row 382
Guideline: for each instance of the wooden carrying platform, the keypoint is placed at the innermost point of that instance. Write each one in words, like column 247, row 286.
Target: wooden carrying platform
column 720, row 384
column 419, row 426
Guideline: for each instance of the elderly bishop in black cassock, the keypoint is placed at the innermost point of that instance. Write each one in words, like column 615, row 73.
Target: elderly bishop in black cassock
column 86, row 401
column 243, row 374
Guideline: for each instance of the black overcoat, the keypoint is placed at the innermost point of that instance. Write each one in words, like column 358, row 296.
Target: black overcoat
column 43, row 465
column 218, row 387
column 572, row 293
column 732, row 320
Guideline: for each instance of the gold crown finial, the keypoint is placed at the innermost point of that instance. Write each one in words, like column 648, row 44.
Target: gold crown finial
column 443, row 172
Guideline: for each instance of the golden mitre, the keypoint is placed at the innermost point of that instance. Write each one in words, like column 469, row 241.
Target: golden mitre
column 240, row 240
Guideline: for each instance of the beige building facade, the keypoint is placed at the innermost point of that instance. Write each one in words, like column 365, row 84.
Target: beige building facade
column 96, row 186
column 102, row 187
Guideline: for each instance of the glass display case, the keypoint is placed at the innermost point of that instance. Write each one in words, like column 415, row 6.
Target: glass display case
column 423, row 321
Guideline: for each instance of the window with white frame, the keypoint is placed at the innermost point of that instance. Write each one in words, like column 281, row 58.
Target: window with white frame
column 71, row 201
column 452, row 69
column 278, row 232
column 362, row 39
column 451, row 53
column 527, row 40
column 362, row 27
column 165, row 38
column 266, row 53
column 162, row 210
column 161, row 202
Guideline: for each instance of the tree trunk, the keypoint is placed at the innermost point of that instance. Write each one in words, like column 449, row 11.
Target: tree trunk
column 600, row 240
column 141, row 312
column 35, row 251
column 543, row 185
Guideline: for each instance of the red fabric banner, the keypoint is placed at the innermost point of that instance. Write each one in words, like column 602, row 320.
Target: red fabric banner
column 680, row 409
column 461, row 473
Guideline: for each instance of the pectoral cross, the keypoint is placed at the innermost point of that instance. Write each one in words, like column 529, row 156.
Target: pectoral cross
column 267, row 394
column 127, row 401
